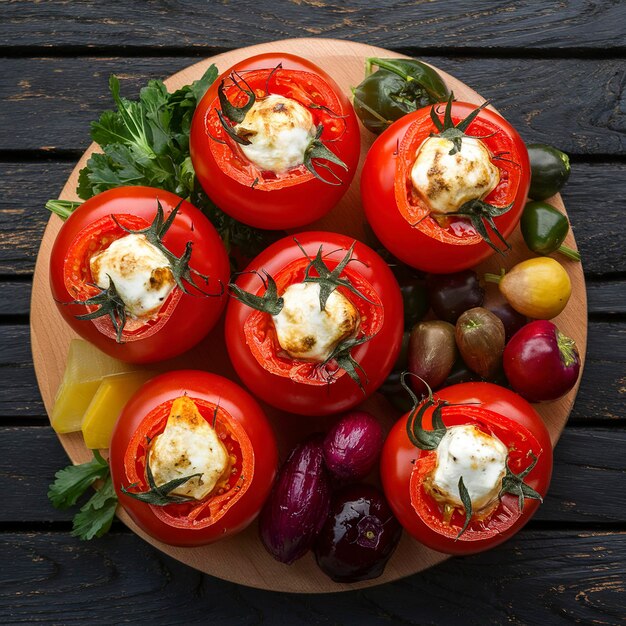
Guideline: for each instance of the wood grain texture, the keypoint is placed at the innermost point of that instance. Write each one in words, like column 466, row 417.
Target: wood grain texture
column 14, row 299
column 25, row 187
column 565, row 577
column 590, row 462
column 575, row 104
column 242, row 559
column 185, row 24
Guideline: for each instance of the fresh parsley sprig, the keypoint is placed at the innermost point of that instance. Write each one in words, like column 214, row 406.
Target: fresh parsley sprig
column 96, row 515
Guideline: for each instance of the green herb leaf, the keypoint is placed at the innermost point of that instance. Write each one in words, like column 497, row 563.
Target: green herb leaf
column 71, row 482
column 467, row 503
column 95, row 517
column 159, row 495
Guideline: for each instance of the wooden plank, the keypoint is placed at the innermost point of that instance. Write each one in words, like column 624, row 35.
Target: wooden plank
column 14, row 298
column 573, row 103
column 601, row 395
column 489, row 27
column 555, row 577
column 589, row 465
column 596, row 215
column 19, row 394
column 24, row 189
column 606, row 297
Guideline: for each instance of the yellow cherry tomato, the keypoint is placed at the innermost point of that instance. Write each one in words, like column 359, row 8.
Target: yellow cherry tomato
column 538, row 288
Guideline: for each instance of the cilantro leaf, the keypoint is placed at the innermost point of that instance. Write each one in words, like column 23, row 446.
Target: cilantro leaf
column 95, row 517
column 74, row 480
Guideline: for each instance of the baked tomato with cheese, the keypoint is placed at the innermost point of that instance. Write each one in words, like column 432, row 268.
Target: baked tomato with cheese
column 467, row 467
column 140, row 273
column 444, row 187
column 275, row 142
column 314, row 325
column 192, row 458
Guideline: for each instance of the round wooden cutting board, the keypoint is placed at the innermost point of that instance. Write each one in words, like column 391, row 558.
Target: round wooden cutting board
column 243, row 559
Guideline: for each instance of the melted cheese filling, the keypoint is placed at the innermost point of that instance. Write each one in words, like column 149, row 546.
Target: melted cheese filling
column 305, row 332
column 465, row 451
column 188, row 445
column 279, row 130
column 445, row 182
column 140, row 272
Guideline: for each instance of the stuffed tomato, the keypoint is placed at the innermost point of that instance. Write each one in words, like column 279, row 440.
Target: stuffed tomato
column 314, row 325
column 275, row 142
column 444, row 187
column 139, row 273
column 192, row 458
column 466, row 468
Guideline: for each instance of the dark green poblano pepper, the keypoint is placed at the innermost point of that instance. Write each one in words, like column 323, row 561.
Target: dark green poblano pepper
column 398, row 87
column 544, row 228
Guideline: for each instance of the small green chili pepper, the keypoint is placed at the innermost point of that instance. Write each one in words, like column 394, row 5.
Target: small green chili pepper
column 544, row 229
column 398, row 87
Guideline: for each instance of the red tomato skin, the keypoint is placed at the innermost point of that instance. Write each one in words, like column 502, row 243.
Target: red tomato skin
column 377, row 356
column 242, row 407
column 398, row 454
column 288, row 207
column 193, row 316
column 407, row 243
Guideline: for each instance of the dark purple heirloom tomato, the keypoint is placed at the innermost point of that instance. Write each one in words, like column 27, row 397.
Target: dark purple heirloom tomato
column 452, row 294
column 359, row 536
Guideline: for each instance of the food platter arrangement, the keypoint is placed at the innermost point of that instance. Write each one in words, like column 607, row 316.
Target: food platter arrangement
column 310, row 317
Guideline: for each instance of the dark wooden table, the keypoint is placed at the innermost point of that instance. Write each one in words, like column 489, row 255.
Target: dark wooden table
column 555, row 70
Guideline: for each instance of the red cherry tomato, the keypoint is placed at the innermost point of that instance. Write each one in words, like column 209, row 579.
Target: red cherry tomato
column 266, row 199
column 402, row 221
column 405, row 468
column 304, row 387
column 242, row 427
column 184, row 318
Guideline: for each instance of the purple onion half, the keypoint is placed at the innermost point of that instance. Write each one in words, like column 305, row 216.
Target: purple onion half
column 298, row 505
